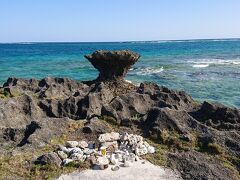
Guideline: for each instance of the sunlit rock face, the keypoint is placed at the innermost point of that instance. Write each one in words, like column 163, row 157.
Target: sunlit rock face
column 112, row 65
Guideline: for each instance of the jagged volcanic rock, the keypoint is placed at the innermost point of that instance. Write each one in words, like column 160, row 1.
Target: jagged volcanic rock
column 112, row 64
column 34, row 111
column 218, row 116
column 198, row 166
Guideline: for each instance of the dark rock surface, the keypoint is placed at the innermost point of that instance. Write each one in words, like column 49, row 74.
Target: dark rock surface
column 198, row 166
column 34, row 111
column 112, row 64
column 95, row 126
column 218, row 116
column 159, row 119
column 165, row 97
column 41, row 110
column 50, row 158
column 32, row 135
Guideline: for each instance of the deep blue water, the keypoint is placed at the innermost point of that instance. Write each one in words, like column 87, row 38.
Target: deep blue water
column 207, row 69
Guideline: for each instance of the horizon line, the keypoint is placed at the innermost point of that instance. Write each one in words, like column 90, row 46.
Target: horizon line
column 125, row 41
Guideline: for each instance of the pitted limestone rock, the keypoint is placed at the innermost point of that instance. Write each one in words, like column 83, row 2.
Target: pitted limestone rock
column 112, row 64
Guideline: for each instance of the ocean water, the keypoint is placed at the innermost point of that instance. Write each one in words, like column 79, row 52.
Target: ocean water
column 206, row 69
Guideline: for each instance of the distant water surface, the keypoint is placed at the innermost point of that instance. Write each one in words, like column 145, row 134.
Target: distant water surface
column 207, row 69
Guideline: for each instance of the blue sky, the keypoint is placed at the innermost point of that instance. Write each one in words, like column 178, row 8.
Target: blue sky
column 117, row 20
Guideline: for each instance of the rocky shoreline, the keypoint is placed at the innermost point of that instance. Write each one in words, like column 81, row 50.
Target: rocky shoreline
column 200, row 140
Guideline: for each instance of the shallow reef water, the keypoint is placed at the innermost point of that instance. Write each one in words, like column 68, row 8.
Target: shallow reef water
column 206, row 69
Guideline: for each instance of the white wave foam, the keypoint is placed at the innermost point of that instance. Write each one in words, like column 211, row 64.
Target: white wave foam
column 149, row 71
column 25, row 43
column 202, row 63
column 185, row 41
column 162, row 41
column 236, row 62
column 223, row 40
column 133, row 82
column 129, row 81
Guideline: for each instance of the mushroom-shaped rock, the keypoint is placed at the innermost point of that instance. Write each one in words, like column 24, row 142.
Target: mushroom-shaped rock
column 112, row 65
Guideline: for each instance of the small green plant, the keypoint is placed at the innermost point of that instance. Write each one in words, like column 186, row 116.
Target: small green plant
column 135, row 117
column 2, row 94
column 159, row 157
column 214, row 148
column 197, row 102
column 210, row 148
column 174, row 142
column 8, row 147
column 229, row 162
column 5, row 93
column 110, row 120
column 79, row 164
column 74, row 125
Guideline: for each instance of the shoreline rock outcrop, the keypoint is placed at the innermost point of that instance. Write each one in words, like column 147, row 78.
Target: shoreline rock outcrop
column 112, row 65
column 34, row 111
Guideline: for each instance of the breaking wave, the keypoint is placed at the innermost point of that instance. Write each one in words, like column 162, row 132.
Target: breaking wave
column 148, row 70
column 203, row 63
column 200, row 65
column 182, row 41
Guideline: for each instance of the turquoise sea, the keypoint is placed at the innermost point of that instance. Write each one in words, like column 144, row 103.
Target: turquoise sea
column 206, row 69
